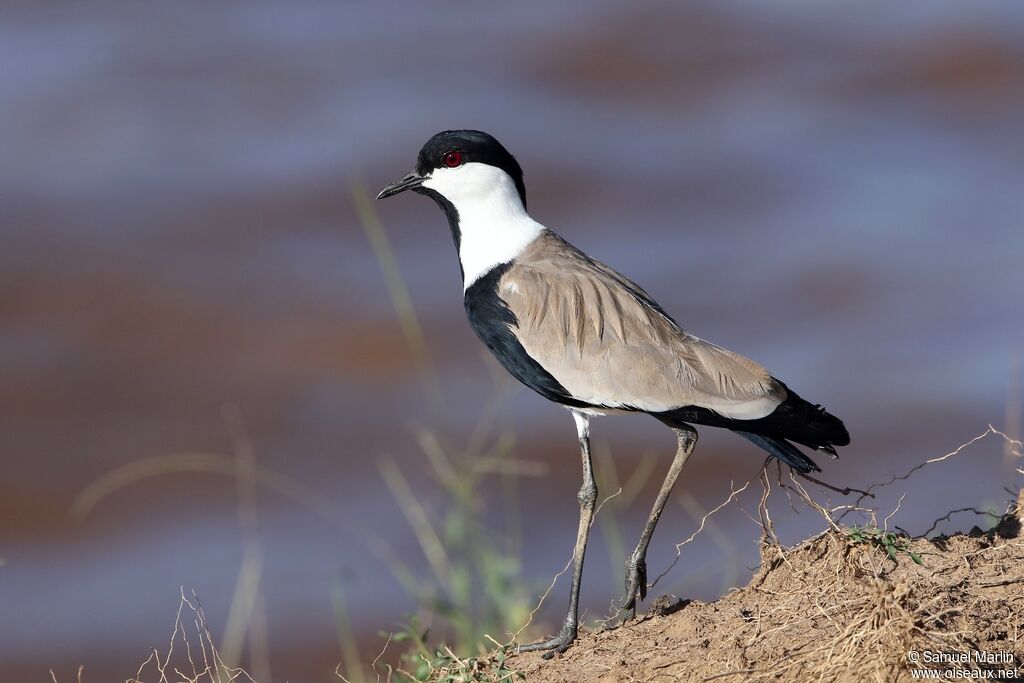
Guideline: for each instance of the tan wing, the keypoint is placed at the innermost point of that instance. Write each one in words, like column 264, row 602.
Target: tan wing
column 604, row 340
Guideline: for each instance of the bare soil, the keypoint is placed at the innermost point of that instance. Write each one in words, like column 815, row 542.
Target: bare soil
column 828, row 609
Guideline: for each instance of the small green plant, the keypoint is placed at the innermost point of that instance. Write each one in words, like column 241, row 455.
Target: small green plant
column 891, row 542
column 422, row 662
column 475, row 585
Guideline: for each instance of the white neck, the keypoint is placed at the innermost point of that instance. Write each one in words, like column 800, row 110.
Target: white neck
column 493, row 224
column 492, row 233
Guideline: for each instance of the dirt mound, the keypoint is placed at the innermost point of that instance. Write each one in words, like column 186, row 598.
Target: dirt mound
column 843, row 606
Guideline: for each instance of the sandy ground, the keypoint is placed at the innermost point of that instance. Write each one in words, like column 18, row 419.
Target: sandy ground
column 828, row 609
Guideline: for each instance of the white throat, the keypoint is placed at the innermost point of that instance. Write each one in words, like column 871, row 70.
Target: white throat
column 493, row 224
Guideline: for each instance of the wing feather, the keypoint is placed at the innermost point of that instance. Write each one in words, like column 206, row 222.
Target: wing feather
column 608, row 343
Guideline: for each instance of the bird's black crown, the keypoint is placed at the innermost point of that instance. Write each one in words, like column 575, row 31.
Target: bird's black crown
column 475, row 146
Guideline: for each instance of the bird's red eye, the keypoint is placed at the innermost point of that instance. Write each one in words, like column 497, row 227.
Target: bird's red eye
column 452, row 159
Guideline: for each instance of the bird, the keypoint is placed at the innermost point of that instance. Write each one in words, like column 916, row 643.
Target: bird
column 585, row 337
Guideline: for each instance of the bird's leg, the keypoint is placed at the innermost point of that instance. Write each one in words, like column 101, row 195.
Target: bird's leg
column 587, row 498
column 636, row 563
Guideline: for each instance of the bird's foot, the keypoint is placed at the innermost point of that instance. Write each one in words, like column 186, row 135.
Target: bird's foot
column 636, row 585
column 559, row 643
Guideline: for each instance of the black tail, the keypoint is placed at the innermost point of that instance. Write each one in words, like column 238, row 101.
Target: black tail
column 793, row 420
column 807, row 424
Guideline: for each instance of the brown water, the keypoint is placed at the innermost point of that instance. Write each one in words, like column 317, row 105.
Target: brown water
column 832, row 192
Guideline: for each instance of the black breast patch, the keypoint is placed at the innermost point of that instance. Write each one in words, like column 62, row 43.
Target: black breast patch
column 494, row 322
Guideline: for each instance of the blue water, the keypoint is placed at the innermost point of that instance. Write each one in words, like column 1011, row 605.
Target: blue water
column 832, row 191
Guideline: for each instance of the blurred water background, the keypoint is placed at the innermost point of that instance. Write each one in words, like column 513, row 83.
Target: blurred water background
column 833, row 190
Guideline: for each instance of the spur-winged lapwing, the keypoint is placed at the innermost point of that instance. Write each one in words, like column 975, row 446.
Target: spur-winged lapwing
column 582, row 335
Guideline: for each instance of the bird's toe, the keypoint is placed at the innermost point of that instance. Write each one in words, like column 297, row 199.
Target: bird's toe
column 560, row 643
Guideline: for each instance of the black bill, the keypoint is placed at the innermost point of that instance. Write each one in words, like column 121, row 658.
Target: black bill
column 407, row 183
